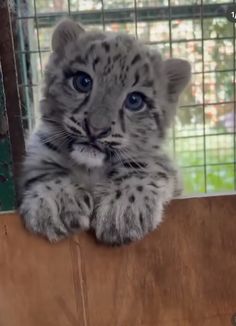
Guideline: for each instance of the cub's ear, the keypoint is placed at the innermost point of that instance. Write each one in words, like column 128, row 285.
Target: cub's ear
column 178, row 74
column 66, row 31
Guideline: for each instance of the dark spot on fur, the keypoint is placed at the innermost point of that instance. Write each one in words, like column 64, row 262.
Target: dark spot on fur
column 114, row 143
column 106, row 46
column 148, row 83
column 87, row 200
column 136, row 79
column 80, row 60
column 117, row 136
column 74, row 130
column 159, row 123
column 73, row 119
column 135, row 59
column 148, row 208
column 153, row 185
column 58, row 181
column 145, row 69
column 59, row 232
column 126, row 240
column 95, row 62
column 150, row 103
column 112, row 173
column 122, row 119
column 74, row 224
column 131, row 199
column 162, row 175
column 122, row 178
column 51, row 146
column 118, row 194
column 82, row 104
column 107, row 71
column 71, row 201
column 141, row 220
column 48, row 187
column 140, row 188
column 116, row 57
column 31, row 181
column 134, row 165
column 91, row 48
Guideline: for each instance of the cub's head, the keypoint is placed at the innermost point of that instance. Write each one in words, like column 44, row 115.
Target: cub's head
column 109, row 92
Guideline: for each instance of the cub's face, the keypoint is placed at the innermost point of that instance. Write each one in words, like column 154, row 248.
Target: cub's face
column 109, row 92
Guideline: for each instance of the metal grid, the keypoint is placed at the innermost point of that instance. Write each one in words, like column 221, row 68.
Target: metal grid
column 203, row 138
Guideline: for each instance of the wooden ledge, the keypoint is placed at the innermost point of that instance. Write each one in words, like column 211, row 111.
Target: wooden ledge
column 183, row 274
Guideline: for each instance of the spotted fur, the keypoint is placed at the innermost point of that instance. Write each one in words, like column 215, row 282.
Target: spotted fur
column 91, row 163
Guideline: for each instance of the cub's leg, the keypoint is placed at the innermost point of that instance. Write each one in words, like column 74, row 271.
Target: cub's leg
column 56, row 208
column 130, row 204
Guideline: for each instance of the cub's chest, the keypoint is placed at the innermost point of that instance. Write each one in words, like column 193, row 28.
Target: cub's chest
column 88, row 177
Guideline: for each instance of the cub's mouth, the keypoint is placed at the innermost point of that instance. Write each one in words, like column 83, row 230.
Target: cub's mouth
column 91, row 146
column 89, row 154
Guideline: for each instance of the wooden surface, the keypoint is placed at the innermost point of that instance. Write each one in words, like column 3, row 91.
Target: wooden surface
column 183, row 274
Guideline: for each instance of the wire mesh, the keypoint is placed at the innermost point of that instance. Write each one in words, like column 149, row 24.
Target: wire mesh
column 203, row 139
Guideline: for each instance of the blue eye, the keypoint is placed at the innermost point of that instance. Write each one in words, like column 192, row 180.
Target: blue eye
column 134, row 101
column 82, row 82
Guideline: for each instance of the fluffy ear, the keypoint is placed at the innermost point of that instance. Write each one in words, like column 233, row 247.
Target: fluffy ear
column 66, row 31
column 178, row 74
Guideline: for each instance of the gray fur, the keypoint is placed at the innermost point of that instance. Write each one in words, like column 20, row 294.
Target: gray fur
column 119, row 187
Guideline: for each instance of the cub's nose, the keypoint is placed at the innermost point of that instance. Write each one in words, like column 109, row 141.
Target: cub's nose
column 94, row 132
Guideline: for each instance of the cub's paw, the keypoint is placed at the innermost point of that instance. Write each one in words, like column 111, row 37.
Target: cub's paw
column 56, row 211
column 122, row 216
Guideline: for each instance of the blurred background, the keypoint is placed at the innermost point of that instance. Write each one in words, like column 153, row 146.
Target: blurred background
column 203, row 139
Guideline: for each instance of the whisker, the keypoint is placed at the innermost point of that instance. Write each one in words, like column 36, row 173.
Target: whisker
column 119, row 158
column 54, row 135
column 57, row 136
column 128, row 157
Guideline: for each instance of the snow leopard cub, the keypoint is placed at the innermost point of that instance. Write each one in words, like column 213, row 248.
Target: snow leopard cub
column 97, row 158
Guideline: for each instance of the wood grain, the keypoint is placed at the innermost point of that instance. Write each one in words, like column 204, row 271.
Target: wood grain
column 183, row 274
column 38, row 282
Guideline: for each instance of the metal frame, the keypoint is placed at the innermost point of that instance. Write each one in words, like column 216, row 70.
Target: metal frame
column 150, row 14
column 102, row 17
column 136, row 15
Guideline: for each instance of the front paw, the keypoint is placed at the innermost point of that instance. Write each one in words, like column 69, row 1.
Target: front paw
column 123, row 216
column 56, row 211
